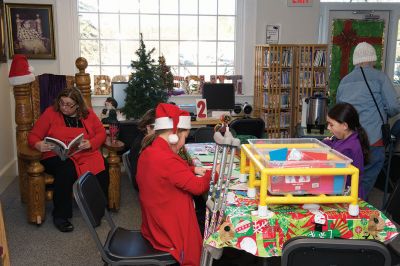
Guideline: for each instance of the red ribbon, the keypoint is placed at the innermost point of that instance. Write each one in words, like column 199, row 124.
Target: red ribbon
column 346, row 40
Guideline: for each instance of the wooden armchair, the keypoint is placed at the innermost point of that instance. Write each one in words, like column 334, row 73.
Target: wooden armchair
column 32, row 178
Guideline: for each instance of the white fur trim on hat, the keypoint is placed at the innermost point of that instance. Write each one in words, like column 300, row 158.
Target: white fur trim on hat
column 163, row 123
column 19, row 80
column 173, row 139
column 184, row 122
column 364, row 52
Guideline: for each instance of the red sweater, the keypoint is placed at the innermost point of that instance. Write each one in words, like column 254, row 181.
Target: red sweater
column 166, row 184
column 51, row 123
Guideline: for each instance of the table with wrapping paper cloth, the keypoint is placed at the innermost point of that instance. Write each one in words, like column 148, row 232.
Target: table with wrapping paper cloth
column 264, row 237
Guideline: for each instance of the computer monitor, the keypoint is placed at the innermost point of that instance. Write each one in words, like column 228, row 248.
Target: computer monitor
column 219, row 96
column 118, row 92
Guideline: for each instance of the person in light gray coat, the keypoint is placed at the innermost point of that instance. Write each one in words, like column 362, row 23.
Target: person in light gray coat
column 353, row 89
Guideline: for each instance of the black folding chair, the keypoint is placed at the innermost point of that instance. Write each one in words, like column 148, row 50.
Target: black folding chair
column 392, row 208
column 386, row 170
column 122, row 246
column 249, row 126
column 204, row 135
column 300, row 251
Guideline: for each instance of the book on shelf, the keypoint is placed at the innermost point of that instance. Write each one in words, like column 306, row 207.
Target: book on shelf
column 65, row 150
column 305, row 58
column 319, row 58
column 319, row 79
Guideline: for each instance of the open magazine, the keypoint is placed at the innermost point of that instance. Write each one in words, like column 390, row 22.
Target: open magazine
column 62, row 150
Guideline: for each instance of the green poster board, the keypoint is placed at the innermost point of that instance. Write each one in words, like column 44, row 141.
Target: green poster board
column 346, row 34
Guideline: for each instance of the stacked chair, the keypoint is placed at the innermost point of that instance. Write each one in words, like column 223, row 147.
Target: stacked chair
column 204, row 134
column 248, row 128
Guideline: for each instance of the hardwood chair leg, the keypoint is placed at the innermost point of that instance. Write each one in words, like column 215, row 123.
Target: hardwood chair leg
column 114, row 190
column 36, row 191
column 23, row 180
column 114, row 162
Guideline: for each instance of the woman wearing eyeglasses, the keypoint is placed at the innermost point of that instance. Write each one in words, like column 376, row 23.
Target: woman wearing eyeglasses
column 66, row 119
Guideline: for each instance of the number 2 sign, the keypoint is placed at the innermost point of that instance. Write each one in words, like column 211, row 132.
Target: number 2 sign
column 201, row 108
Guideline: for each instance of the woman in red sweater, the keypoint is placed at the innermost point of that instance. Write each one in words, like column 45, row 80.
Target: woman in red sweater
column 166, row 185
column 66, row 119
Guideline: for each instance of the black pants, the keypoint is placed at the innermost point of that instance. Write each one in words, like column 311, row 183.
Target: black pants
column 65, row 175
column 200, row 204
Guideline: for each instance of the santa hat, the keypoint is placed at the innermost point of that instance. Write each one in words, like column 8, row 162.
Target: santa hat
column 364, row 52
column 169, row 116
column 20, row 71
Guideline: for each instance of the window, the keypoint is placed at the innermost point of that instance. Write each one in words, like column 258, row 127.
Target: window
column 196, row 37
column 396, row 75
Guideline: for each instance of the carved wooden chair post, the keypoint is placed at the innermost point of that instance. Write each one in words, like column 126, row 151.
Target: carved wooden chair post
column 32, row 178
column 23, row 120
column 114, row 161
column 31, row 172
column 82, row 80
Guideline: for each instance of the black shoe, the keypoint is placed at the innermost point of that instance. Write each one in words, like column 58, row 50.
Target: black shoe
column 63, row 224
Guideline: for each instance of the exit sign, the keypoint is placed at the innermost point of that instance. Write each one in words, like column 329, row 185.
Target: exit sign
column 300, row 2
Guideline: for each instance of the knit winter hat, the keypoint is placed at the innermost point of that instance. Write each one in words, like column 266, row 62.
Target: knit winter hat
column 364, row 52
column 20, row 71
column 169, row 116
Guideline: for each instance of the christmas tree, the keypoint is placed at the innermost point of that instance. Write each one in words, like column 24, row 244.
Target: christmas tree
column 166, row 75
column 145, row 87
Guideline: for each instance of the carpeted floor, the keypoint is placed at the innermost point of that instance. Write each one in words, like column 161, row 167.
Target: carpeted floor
column 45, row 245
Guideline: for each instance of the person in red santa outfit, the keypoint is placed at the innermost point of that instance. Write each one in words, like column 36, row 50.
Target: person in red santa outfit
column 66, row 119
column 166, row 185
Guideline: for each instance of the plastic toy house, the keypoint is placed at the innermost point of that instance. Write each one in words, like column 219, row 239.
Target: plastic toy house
column 297, row 171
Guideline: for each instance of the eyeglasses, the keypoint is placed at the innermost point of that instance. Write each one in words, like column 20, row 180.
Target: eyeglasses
column 69, row 105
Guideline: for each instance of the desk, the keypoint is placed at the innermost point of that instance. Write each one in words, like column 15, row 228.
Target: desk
column 301, row 132
column 210, row 121
column 264, row 237
column 127, row 133
column 205, row 122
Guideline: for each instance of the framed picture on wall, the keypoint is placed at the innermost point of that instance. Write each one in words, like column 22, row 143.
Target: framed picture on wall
column 30, row 30
column 3, row 57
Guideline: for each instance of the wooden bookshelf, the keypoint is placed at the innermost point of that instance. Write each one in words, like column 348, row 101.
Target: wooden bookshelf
column 284, row 74
column 311, row 75
column 274, row 74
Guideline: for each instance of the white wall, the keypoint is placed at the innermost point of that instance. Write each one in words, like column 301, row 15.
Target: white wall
column 7, row 136
column 299, row 25
column 8, row 156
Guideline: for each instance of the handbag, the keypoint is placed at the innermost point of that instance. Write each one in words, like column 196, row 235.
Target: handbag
column 385, row 127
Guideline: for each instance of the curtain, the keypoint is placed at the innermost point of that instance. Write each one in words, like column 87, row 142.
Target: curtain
column 50, row 86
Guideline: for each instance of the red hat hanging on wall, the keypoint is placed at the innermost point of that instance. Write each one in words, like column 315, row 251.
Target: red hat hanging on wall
column 169, row 116
column 20, row 71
